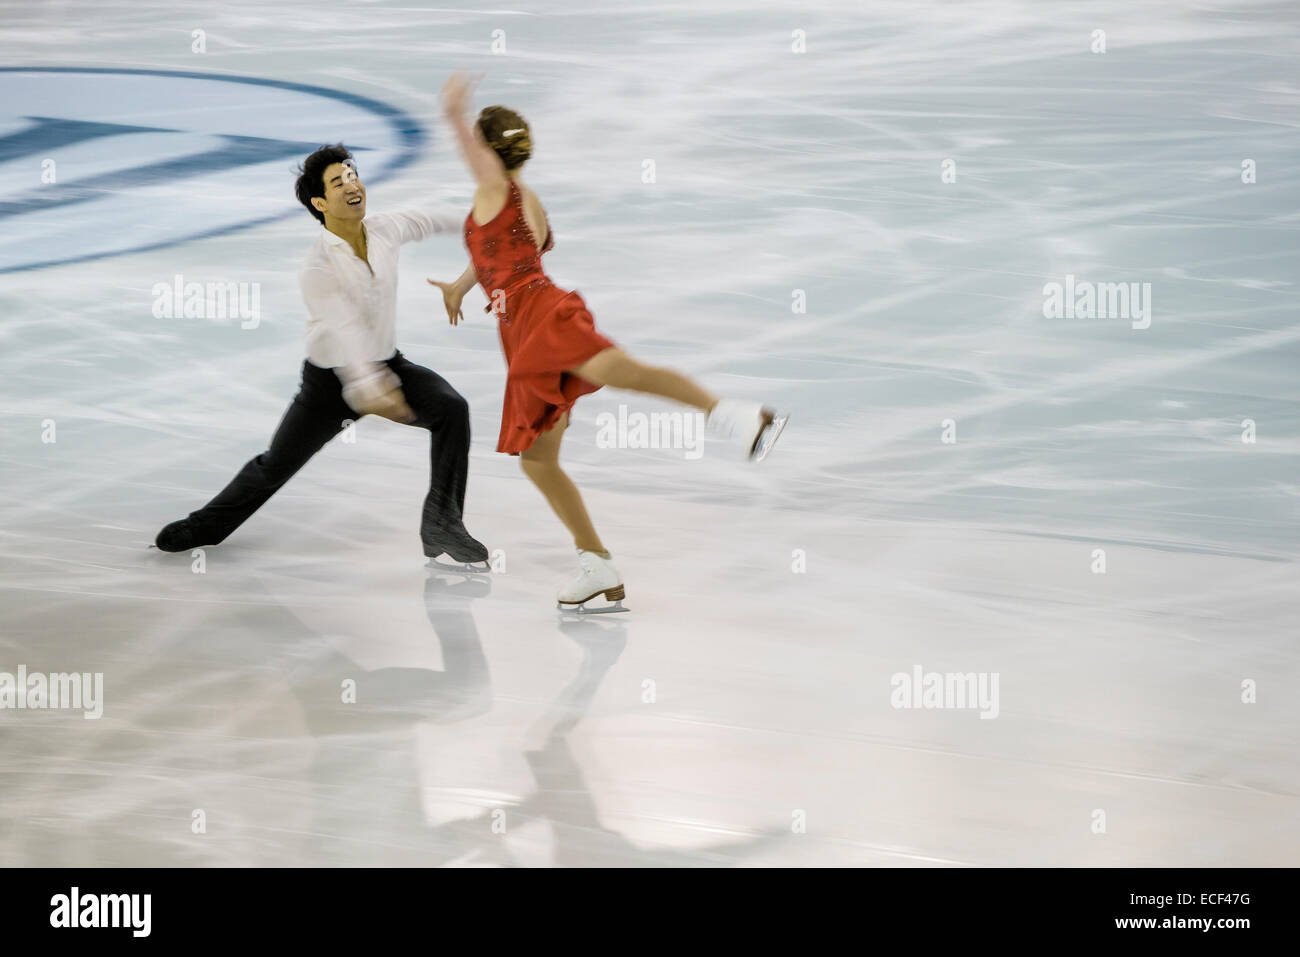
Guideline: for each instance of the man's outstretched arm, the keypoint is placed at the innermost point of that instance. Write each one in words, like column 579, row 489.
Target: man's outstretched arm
column 412, row 225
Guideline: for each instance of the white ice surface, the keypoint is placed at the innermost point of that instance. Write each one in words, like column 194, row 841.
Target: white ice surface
column 775, row 172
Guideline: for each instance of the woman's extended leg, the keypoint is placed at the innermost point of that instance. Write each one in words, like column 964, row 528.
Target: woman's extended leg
column 616, row 368
column 754, row 426
column 541, row 463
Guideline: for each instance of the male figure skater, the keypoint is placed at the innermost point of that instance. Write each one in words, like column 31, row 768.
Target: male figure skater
column 353, row 368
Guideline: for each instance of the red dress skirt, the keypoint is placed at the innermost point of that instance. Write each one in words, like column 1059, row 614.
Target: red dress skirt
column 544, row 330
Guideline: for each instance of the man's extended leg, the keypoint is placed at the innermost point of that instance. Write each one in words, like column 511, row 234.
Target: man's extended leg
column 316, row 415
column 445, row 413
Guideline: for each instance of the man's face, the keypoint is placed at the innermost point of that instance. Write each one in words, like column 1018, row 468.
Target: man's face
column 345, row 197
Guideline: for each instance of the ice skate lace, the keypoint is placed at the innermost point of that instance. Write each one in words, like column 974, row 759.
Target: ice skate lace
column 589, row 563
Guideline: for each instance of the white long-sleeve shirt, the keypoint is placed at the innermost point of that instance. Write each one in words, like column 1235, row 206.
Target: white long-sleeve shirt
column 352, row 308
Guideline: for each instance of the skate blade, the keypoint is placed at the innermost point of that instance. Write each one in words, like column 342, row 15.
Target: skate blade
column 615, row 595
column 581, row 610
column 769, row 436
column 466, row 568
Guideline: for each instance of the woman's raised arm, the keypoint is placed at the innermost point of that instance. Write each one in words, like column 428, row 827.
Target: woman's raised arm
column 488, row 170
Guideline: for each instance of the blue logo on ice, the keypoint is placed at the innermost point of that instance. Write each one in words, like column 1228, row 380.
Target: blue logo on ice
column 104, row 162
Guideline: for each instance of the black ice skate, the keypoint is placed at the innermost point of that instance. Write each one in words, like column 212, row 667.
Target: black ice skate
column 466, row 552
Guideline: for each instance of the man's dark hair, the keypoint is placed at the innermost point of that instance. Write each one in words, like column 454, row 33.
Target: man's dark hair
column 311, row 175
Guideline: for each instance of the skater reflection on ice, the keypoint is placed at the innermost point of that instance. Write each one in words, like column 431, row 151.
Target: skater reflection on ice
column 355, row 773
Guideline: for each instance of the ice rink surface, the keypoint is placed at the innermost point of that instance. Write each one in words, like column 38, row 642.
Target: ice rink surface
column 744, row 712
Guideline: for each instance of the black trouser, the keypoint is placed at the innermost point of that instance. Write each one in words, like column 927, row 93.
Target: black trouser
column 317, row 414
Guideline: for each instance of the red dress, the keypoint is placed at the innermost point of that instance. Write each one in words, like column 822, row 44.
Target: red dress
column 544, row 329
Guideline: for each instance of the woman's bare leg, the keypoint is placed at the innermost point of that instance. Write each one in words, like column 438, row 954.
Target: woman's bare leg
column 616, row 368
column 541, row 463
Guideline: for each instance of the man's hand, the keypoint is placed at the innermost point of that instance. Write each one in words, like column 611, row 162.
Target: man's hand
column 391, row 405
column 452, row 297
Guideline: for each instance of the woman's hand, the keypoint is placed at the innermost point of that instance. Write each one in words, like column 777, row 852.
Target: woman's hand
column 451, row 298
column 457, row 91
column 482, row 161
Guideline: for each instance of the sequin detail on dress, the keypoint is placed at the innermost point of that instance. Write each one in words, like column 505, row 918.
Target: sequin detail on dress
column 544, row 330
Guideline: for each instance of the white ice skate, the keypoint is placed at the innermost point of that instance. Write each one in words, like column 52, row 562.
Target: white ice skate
column 598, row 576
column 753, row 427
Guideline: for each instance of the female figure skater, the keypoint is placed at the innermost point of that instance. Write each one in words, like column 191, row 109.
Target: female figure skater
column 553, row 351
